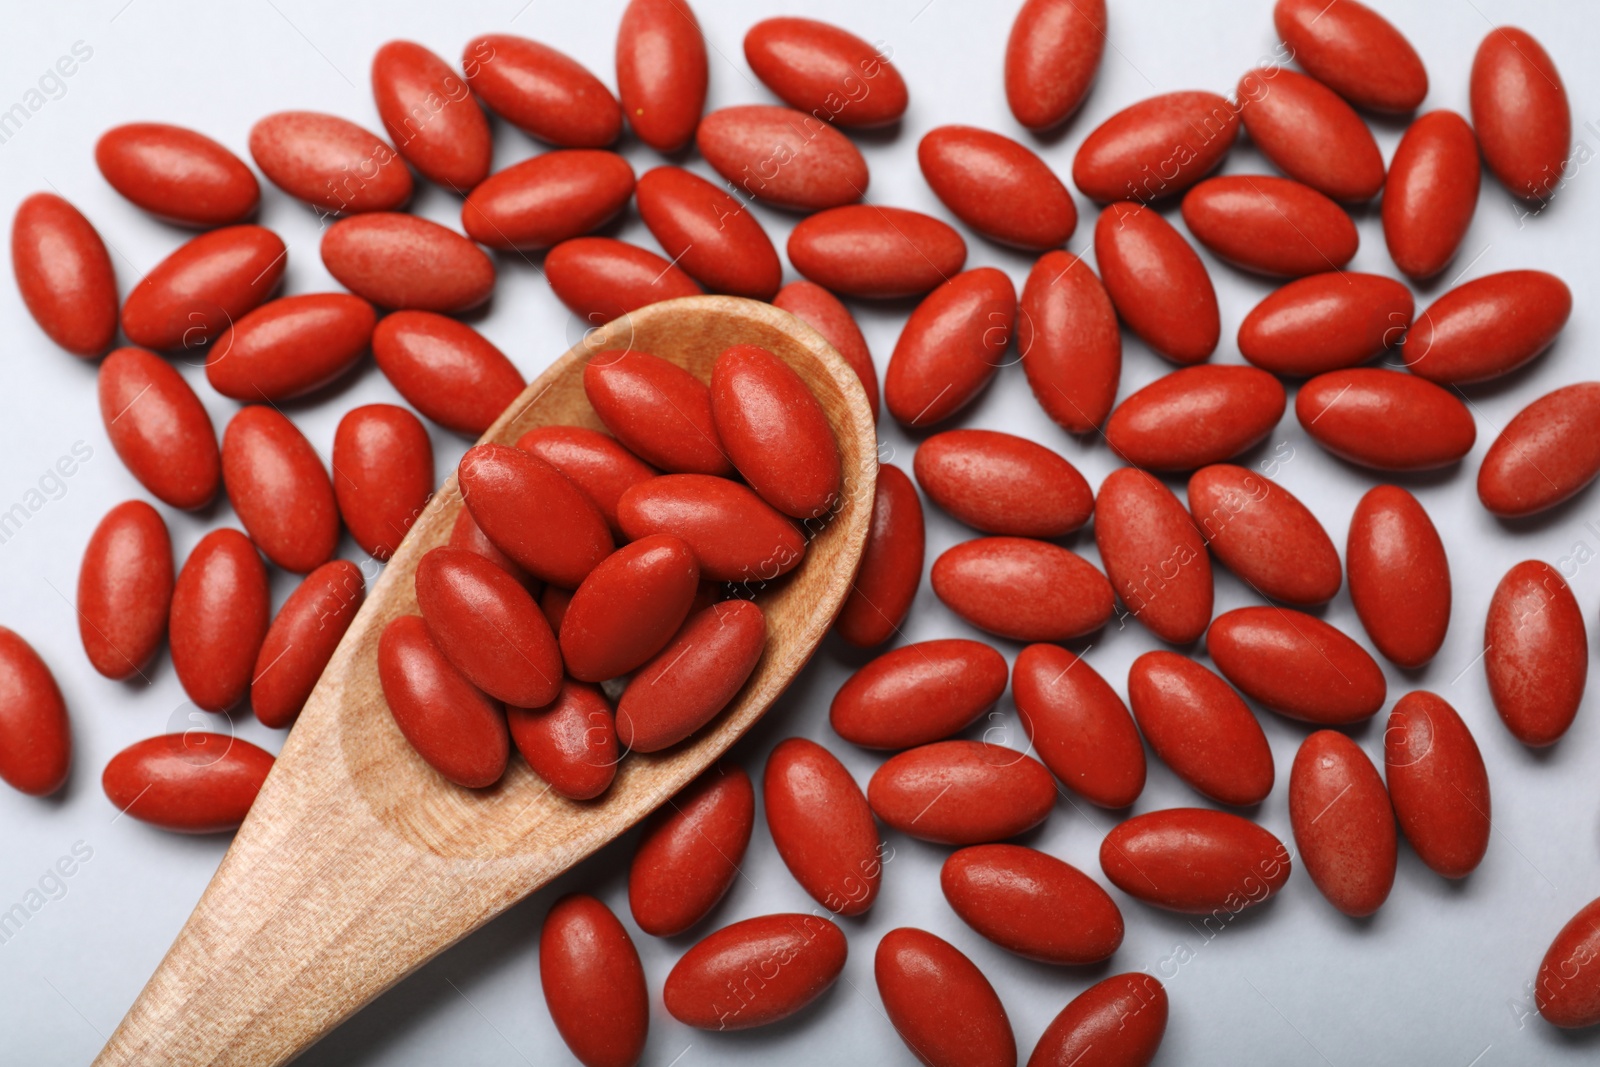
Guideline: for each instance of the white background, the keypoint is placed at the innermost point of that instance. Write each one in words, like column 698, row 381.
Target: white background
column 1439, row 976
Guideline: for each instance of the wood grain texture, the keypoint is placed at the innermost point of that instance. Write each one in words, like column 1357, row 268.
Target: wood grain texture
column 359, row 863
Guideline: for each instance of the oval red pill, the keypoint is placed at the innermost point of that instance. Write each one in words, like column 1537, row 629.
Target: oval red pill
column 1488, row 327
column 1070, row 342
column 998, row 187
column 825, row 71
column 697, row 675
column 290, row 346
column 64, row 273
column 204, row 287
column 1438, row 784
column 1262, row 533
column 540, row 202
column 431, row 115
column 942, row 1006
column 1385, row 419
column 1566, row 990
column 401, row 261
column 302, row 639
column 382, row 475
column 661, row 72
column 1156, row 148
column 570, row 742
column 193, row 782
column 962, row 792
column 878, row 252
column 735, row 535
column 452, row 724
column 125, row 589
column 708, row 233
column 1354, row 51
column 703, row 987
column 891, row 563
column 445, row 369
column 1535, row 653
column 592, row 461
column 1326, row 322
column 1309, row 133
column 1052, row 56
column 534, row 514
column 628, row 608
column 330, row 162
column 159, row 428
column 918, row 693
column 822, row 826
column 1003, row 484
column 1157, row 283
column 1117, row 1022
column 1195, row 860
column 775, row 432
column 464, row 533
column 178, row 174
column 600, row 278
column 1078, row 726
column 1297, row 665
column 541, row 91
column 1399, row 576
column 783, row 156
column 1271, row 225
column 825, row 313
column 1200, row 728
column 1549, row 452
column 1520, row 113
column 35, row 736
column 1431, row 193
column 1195, row 416
column 661, row 412
column 277, row 485
column 950, row 347
column 221, row 605
column 1022, row 589
column 593, row 982
column 1154, row 556
column 1343, row 823
column 1032, row 903
column 690, row 851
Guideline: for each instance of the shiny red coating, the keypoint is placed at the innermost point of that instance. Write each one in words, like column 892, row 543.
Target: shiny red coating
column 178, row 174
column 891, row 563
column 1154, row 555
column 658, row 410
column 464, row 533
column 382, row 475
column 1022, row 589
column 1549, row 452
column 125, row 589
column 628, row 608
column 290, row 346
column 1200, row 728
column 1385, row 419
column 1070, row 342
column 662, row 71
column 570, row 742
column 1354, row 51
column 330, row 163
column 918, row 693
column 277, row 485
column 431, row 116
column 593, row 983
column 783, row 156
column 1196, row 416
column 1297, row 665
column 1438, row 784
column 534, row 514
column 64, row 273
column 1488, row 327
column 690, row 851
column 540, row 202
column 592, row 461
column 1399, row 576
column 452, row 724
column 699, row 672
column 950, row 347
column 1156, row 148
column 1309, row 133
column 825, row 313
column 775, row 432
column 445, row 369
column 735, row 535
column 825, row 71
column 35, row 735
column 997, row 186
column 1343, row 823
column 1003, row 484
column 301, row 640
column 1078, row 726
column 1032, row 903
column 822, row 826
column 879, row 252
column 1567, row 988
column 204, row 287
column 1265, row 535
column 1326, row 322
column 709, row 234
column 159, row 428
column 221, row 606
column 1157, row 283
column 1520, row 113
column 797, row 956
column 1052, row 56
column 1271, row 225
column 401, row 261
column 600, row 278
column 192, row 783
column 1195, row 860
column 1431, row 193
column 1117, row 1022
column 942, row 1006
column 1535, row 653
column 541, row 91
column 962, row 792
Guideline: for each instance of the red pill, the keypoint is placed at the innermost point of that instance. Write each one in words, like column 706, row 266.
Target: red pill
column 593, row 983
column 690, row 851
column 431, row 115
column 1003, row 484
column 1309, row 133
column 35, row 736
column 570, row 742
column 534, row 514
column 1488, row 327
column 735, row 535
column 330, row 163
column 1195, row 860
column 1399, row 576
column 178, row 174
column 1438, row 783
column 1521, row 114
column 962, row 792
column 950, row 347
column 693, row 678
column 661, row 72
column 942, row 1006
column 1070, row 343
column 822, row 826
column 878, row 252
column 1535, row 653
column 708, row 988
column 540, row 202
column 825, row 71
column 709, row 234
column 193, row 782
column 1117, row 1022
column 1326, row 322
column 1032, row 904
column 159, row 428
column 823, row 312
column 1354, row 51
column 658, row 410
column 1430, row 193
column 595, row 463
column 290, row 346
column 1156, row 148
column 783, row 156
column 1022, row 589
column 382, row 475
column 302, row 639
column 1157, row 283
column 1196, row 416
column 65, row 274
column 452, row 724
column 1262, row 533
column 1200, row 728
column 1343, row 823
column 541, row 91
column 775, row 432
column 998, row 187
column 125, row 589
column 484, row 622
column 204, row 287
column 277, row 485
column 1566, row 990
column 1154, row 555
column 221, row 606
column 601, row 279
column 1297, row 665
column 1549, row 452
column 918, row 693
column 1052, row 56
column 401, row 261
column 445, row 369
column 891, row 563
column 628, row 608
column 1078, row 726
column 1271, row 225
column 465, row 534
column 1385, row 419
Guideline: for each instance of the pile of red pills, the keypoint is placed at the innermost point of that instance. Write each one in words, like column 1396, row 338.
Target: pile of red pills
column 597, row 594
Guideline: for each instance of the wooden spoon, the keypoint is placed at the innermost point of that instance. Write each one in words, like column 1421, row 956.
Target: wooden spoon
column 358, row 862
